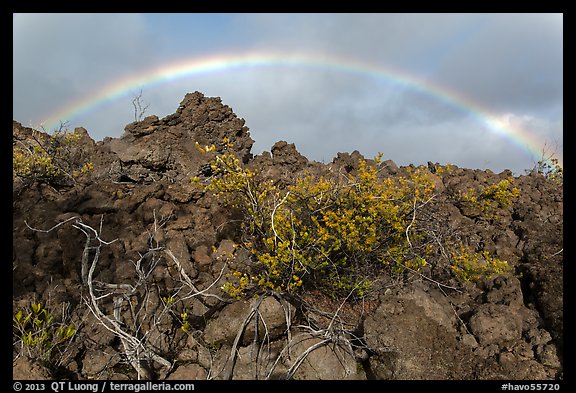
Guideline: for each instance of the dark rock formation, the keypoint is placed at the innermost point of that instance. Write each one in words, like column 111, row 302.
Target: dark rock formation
column 141, row 193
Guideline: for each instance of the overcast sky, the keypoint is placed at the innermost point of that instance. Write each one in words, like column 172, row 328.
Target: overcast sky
column 510, row 65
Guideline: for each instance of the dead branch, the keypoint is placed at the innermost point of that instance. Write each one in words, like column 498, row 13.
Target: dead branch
column 133, row 339
column 139, row 107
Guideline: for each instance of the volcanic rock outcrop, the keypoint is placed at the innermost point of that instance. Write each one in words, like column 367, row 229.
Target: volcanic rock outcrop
column 139, row 228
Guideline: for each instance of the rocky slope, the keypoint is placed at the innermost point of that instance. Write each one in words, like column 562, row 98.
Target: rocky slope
column 155, row 236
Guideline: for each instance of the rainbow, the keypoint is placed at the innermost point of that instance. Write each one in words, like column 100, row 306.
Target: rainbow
column 523, row 139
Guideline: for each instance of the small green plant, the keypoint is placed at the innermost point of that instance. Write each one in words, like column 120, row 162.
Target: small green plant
column 39, row 334
column 471, row 266
column 182, row 317
column 214, row 346
column 168, row 300
column 185, row 323
column 53, row 159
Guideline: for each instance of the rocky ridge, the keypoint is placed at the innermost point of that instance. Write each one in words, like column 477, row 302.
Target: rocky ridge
column 140, row 193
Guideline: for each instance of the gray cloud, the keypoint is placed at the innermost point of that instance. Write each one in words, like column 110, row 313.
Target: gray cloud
column 509, row 63
column 515, row 62
column 59, row 58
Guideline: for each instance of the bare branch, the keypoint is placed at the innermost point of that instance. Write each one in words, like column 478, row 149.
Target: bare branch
column 556, row 253
column 139, row 107
column 302, row 357
column 51, row 229
column 233, row 352
column 428, row 278
column 188, row 281
column 272, row 217
column 136, row 349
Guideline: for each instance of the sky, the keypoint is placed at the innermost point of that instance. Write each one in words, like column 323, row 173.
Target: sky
column 481, row 91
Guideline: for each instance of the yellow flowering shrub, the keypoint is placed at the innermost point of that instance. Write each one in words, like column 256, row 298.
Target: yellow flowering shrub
column 339, row 232
column 332, row 233
column 469, row 265
column 491, row 198
column 54, row 160
column 441, row 169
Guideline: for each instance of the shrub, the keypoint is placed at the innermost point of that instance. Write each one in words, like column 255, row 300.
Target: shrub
column 471, row 266
column 441, row 169
column 548, row 165
column 332, row 233
column 337, row 233
column 55, row 160
column 549, row 168
column 491, row 198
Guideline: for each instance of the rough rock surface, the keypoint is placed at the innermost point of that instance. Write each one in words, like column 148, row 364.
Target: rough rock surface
column 158, row 224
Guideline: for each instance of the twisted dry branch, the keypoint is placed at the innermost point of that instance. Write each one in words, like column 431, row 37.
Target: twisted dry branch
column 134, row 340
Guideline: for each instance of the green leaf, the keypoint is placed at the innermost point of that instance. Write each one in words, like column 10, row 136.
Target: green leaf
column 70, row 332
column 18, row 316
column 38, row 322
column 26, row 319
column 36, row 308
column 168, row 300
column 28, row 339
